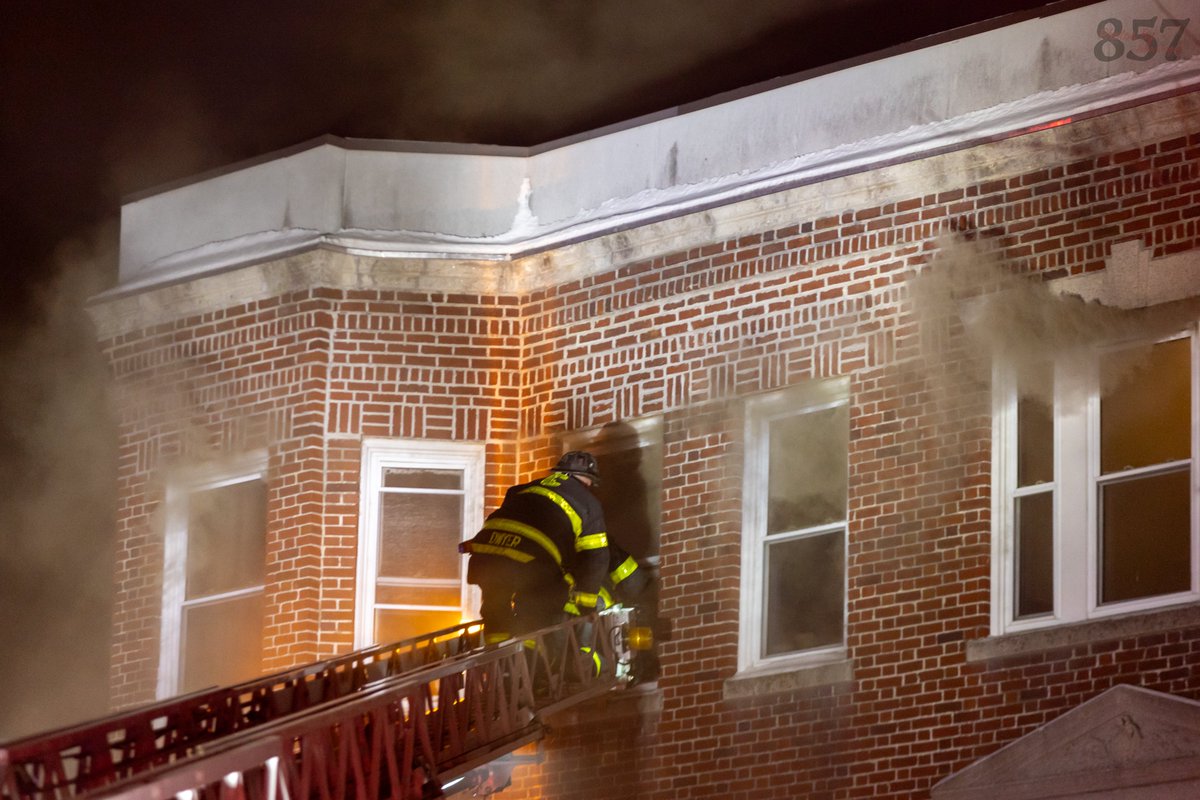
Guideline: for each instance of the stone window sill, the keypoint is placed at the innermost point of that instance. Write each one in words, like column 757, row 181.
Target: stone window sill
column 1082, row 633
column 788, row 678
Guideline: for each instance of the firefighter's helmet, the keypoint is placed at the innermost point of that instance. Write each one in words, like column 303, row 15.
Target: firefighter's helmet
column 579, row 462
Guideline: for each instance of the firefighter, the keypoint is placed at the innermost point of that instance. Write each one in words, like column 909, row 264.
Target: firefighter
column 543, row 553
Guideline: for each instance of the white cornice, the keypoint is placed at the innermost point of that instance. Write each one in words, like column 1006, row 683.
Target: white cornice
column 122, row 311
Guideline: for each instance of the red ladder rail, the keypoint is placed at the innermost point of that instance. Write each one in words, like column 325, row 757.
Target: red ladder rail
column 73, row 760
column 402, row 737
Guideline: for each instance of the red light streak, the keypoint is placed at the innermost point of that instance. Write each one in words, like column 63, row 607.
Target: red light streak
column 1046, row 125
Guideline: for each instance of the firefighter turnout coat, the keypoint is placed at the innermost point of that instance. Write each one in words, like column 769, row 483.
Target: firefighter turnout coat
column 556, row 519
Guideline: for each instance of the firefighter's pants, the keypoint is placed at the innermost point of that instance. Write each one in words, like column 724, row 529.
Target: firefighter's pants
column 517, row 598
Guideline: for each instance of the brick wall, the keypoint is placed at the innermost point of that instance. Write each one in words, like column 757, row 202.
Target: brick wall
column 687, row 335
column 305, row 377
column 242, row 379
column 690, row 334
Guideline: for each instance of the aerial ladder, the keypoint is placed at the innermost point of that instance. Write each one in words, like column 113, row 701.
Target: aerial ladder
column 422, row 718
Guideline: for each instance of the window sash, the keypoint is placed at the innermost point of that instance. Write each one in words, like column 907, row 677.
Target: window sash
column 236, row 654
column 1111, row 539
column 1018, row 586
column 776, row 541
column 233, row 594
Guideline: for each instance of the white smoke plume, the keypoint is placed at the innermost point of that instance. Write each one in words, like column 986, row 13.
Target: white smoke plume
column 57, row 509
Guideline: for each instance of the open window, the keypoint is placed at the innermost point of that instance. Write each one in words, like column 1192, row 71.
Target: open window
column 630, row 456
column 419, row 500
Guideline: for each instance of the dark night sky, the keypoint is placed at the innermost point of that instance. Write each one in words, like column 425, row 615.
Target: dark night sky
column 99, row 100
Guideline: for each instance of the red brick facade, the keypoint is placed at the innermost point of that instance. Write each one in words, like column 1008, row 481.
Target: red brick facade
column 687, row 335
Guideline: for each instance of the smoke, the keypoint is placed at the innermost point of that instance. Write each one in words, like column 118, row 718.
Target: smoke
column 57, row 505
column 970, row 296
column 511, row 72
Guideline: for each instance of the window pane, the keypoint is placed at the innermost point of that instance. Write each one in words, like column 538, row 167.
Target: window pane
column 419, row 595
column 395, row 626
column 807, row 476
column 226, row 539
column 419, row 535
column 1145, row 417
column 1146, row 536
column 222, row 642
column 415, row 478
column 805, row 590
column 1035, row 553
column 1035, row 431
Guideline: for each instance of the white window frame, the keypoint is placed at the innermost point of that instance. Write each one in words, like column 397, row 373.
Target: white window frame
column 1076, row 485
column 379, row 454
column 180, row 487
column 760, row 411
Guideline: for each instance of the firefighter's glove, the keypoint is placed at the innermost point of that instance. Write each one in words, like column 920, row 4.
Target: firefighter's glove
column 571, row 608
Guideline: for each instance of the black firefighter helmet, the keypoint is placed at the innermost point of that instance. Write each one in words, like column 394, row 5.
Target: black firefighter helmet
column 579, row 462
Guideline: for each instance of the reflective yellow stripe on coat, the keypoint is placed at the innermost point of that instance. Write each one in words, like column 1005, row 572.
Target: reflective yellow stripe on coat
column 627, row 568
column 521, row 529
column 561, row 502
column 594, row 541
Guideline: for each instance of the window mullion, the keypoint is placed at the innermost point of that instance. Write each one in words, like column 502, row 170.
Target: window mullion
column 419, row 490
column 760, row 500
column 1076, row 510
column 232, row 594
column 1003, row 439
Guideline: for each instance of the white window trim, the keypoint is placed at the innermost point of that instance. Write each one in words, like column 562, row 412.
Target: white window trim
column 761, row 410
column 1075, row 539
column 180, row 486
column 380, row 453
